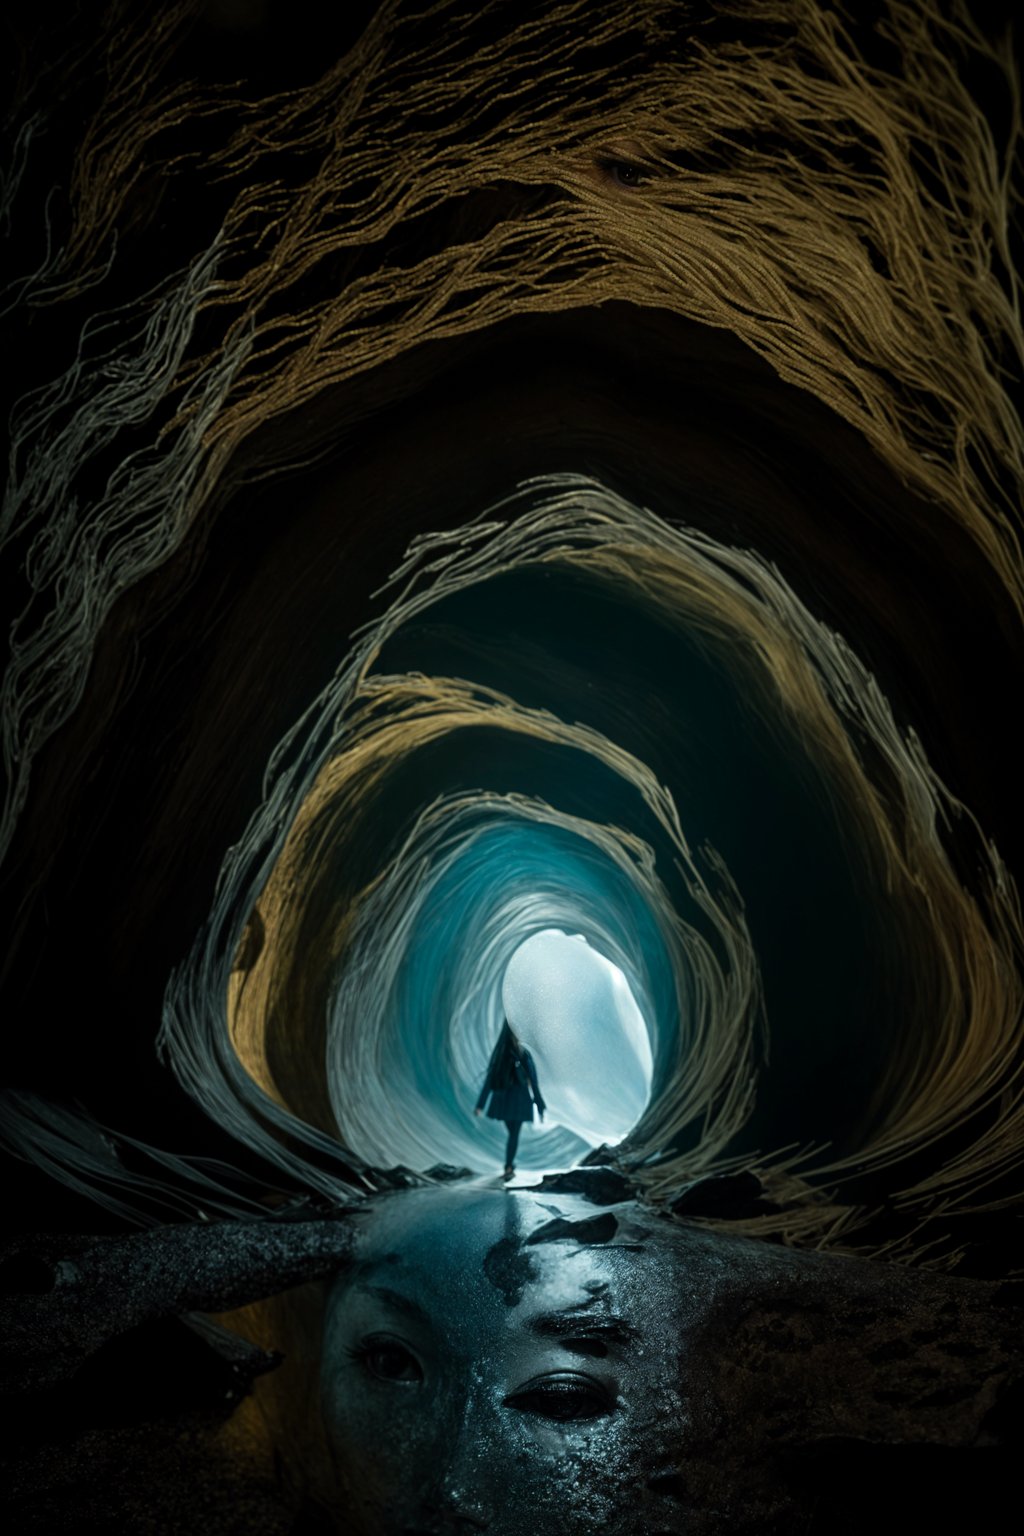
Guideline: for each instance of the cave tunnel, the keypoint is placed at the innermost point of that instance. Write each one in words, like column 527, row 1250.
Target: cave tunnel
column 492, row 611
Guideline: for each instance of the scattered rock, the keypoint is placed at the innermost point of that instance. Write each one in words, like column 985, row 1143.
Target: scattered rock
column 447, row 1173
column 592, row 1229
column 600, row 1185
column 729, row 1196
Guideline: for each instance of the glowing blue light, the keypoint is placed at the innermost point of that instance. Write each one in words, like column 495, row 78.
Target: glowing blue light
column 475, row 891
column 576, row 1012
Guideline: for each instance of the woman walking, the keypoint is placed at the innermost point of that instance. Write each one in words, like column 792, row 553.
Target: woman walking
column 511, row 1083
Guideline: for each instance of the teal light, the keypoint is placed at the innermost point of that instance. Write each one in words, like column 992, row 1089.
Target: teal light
column 576, row 1011
column 477, row 924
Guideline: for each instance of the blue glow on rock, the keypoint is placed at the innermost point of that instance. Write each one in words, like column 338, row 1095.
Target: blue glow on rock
column 576, row 1012
column 478, row 895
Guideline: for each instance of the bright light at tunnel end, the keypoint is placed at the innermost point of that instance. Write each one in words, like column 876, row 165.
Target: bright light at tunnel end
column 576, row 1012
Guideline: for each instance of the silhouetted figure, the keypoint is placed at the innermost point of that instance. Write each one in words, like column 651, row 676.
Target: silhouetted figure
column 511, row 1082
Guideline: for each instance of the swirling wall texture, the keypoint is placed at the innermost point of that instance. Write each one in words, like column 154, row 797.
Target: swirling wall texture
column 393, row 903
column 677, row 340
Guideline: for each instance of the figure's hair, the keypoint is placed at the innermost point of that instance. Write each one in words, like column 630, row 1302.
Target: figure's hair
column 501, row 1069
column 280, row 1422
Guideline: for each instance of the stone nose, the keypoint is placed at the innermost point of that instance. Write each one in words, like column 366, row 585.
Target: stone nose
column 461, row 1500
column 447, row 1523
column 446, row 1519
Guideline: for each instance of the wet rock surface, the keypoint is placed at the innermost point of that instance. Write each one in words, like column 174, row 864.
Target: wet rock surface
column 802, row 1378
column 66, row 1298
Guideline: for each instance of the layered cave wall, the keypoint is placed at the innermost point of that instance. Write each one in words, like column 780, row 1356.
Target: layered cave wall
column 587, row 500
column 690, row 425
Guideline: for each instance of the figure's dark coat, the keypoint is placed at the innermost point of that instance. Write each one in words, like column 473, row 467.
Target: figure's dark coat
column 511, row 1082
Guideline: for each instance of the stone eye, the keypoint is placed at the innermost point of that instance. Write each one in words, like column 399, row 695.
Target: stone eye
column 390, row 1360
column 566, row 1400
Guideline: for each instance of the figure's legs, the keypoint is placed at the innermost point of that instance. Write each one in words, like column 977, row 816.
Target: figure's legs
column 512, row 1126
